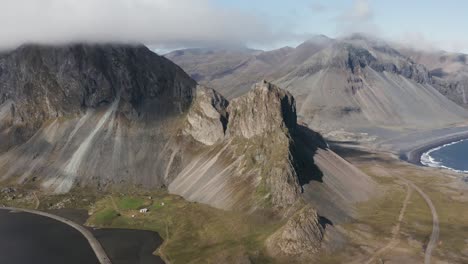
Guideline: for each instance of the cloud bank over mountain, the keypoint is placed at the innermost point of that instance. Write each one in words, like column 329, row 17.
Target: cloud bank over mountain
column 163, row 23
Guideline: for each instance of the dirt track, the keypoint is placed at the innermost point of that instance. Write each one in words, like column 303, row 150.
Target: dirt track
column 435, row 222
column 396, row 229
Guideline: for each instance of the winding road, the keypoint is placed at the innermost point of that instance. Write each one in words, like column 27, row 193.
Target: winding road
column 396, row 229
column 93, row 242
column 435, row 221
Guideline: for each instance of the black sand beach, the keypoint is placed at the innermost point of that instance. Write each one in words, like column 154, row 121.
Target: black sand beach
column 411, row 146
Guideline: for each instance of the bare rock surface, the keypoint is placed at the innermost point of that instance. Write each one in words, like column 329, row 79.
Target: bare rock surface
column 256, row 150
column 301, row 235
column 265, row 109
column 207, row 118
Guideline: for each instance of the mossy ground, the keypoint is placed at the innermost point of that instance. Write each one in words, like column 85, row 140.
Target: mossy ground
column 192, row 232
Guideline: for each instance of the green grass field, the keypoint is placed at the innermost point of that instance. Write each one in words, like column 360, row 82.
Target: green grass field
column 192, row 232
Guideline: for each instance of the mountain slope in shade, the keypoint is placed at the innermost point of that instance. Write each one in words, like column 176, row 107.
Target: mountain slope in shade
column 355, row 83
column 87, row 115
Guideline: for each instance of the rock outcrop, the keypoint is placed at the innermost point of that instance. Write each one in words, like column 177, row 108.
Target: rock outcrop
column 265, row 160
column 207, row 118
column 302, row 235
column 261, row 126
column 265, row 109
column 256, row 146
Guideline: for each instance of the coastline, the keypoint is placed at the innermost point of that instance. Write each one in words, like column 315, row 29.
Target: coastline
column 414, row 154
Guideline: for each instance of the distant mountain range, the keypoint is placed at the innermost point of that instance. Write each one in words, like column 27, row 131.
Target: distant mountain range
column 354, row 83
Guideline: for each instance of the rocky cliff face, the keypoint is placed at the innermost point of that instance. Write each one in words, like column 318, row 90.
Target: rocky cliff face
column 265, row 109
column 449, row 72
column 253, row 136
column 45, row 82
column 302, row 235
column 264, row 159
column 89, row 115
column 207, row 118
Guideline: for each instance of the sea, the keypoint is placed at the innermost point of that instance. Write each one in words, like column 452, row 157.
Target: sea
column 452, row 156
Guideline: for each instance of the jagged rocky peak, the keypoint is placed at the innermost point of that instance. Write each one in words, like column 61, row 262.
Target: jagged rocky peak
column 301, row 235
column 262, row 122
column 255, row 132
column 266, row 108
column 207, row 118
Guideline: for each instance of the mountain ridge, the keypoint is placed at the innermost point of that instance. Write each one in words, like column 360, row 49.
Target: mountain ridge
column 353, row 83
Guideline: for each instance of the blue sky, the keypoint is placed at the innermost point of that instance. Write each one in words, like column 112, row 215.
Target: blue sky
column 438, row 23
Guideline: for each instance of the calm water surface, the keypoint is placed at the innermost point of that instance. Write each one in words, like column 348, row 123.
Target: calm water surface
column 27, row 238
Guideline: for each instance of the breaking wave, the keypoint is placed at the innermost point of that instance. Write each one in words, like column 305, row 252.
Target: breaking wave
column 429, row 161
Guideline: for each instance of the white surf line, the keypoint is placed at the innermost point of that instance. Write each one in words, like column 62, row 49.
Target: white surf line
column 93, row 242
column 429, row 161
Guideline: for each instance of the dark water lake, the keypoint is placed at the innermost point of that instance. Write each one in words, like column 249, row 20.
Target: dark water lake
column 27, row 238
column 453, row 156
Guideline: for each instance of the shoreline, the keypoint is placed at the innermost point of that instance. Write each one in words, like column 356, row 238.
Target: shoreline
column 414, row 154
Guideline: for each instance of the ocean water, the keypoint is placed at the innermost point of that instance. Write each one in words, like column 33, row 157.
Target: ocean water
column 453, row 156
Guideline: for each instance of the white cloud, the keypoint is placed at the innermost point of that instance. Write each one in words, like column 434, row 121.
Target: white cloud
column 162, row 23
column 361, row 10
column 420, row 41
column 358, row 18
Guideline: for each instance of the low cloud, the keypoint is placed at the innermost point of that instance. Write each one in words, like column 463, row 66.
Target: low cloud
column 419, row 41
column 358, row 18
column 160, row 23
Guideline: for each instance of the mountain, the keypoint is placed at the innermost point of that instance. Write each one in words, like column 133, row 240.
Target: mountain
column 88, row 114
column 356, row 83
column 234, row 75
column 119, row 117
column 448, row 70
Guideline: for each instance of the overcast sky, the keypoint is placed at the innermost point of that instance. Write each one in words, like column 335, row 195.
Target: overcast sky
column 267, row 24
